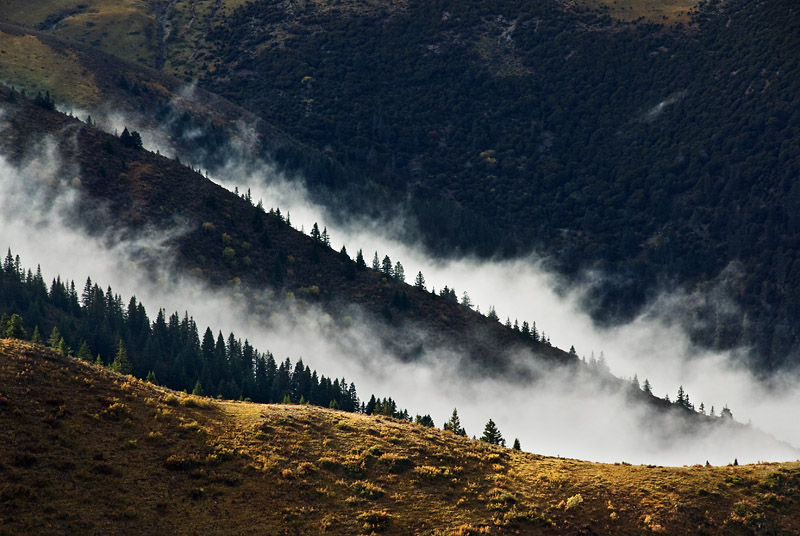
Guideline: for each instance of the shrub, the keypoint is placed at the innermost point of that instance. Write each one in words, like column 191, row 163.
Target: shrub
column 469, row 530
column 573, row 501
column 328, row 464
column 367, row 490
column 305, row 468
column 193, row 401
column 395, row 463
column 374, row 520
column 287, row 474
column 501, row 500
column 115, row 412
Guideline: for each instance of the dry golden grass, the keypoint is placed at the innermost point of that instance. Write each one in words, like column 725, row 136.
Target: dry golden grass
column 658, row 11
column 88, row 451
column 34, row 66
column 125, row 28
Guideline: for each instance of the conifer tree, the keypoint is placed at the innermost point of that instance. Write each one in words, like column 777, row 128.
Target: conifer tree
column 36, row 338
column 151, row 378
column 15, row 330
column 419, row 281
column 516, row 444
column 315, row 233
column 369, row 409
column 454, row 424
column 198, row 389
column 84, row 352
column 376, row 264
column 121, row 363
column 492, row 435
column 55, row 337
column 680, row 401
column 646, row 387
column 360, row 264
column 424, row 420
column 386, row 267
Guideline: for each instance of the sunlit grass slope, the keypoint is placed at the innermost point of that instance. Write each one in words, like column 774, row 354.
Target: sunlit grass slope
column 87, row 451
column 657, row 11
column 126, row 28
column 32, row 65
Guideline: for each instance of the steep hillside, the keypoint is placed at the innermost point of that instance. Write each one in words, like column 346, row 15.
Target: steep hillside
column 88, row 451
column 652, row 154
column 230, row 242
column 275, row 275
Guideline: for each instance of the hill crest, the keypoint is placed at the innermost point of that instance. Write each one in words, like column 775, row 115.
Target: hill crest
column 148, row 460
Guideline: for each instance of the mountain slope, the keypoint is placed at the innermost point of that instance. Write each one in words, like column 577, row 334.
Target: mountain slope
column 653, row 156
column 149, row 460
column 225, row 240
column 278, row 276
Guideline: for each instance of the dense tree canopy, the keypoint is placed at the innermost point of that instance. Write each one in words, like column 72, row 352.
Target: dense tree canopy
column 656, row 155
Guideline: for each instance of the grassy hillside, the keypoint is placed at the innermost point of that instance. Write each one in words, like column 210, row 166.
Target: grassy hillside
column 88, row 451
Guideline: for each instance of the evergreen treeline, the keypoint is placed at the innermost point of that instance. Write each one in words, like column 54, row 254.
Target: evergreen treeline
column 96, row 325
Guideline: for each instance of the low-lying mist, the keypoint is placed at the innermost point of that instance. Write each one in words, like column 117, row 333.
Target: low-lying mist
column 650, row 347
column 560, row 415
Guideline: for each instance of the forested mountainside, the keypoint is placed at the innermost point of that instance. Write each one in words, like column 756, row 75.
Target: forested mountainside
column 653, row 155
column 233, row 242
column 269, row 268
column 87, row 450
column 657, row 156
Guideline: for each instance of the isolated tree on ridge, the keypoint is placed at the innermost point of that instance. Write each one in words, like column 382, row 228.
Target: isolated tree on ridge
column 454, row 424
column 492, row 435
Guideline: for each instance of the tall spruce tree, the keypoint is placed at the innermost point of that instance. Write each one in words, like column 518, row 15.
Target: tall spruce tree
column 454, row 424
column 492, row 435
column 121, row 362
column 14, row 329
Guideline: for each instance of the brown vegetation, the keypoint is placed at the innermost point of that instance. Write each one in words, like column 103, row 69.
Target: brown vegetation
column 85, row 450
